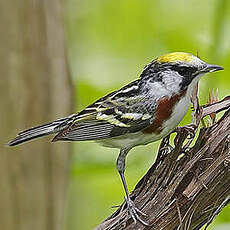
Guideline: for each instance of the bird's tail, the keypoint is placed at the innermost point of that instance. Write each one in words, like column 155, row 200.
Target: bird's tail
column 42, row 130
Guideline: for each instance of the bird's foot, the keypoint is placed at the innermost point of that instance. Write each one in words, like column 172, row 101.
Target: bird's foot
column 134, row 212
column 191, row 129
column 191, row 132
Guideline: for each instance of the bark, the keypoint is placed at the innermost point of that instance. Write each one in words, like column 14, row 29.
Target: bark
column 189, row 184
column 35, row 88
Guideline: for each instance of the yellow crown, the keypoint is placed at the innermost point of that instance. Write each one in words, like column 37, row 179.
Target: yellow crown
column 175, row 57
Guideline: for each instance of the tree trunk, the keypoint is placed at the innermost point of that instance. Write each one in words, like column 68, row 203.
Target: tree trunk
column 35, row 87
column 188, row 185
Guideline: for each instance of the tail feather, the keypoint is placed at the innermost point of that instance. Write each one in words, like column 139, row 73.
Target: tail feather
column 42, row 130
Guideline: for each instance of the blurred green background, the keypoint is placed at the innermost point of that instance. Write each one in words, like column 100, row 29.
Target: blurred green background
column 109, row 43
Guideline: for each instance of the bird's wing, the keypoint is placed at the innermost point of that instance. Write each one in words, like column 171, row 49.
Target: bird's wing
column 124, row 111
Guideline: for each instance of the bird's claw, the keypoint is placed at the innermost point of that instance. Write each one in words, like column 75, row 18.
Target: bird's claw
column 191, row 129
column 133, row 211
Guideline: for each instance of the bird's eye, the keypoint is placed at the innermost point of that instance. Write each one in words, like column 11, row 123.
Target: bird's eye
column 185, row 70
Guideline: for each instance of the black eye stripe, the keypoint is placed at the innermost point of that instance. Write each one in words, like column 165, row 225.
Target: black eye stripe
column 184, row 70
column 154, row 70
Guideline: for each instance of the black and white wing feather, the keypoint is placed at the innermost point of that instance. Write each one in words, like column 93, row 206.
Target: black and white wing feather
column 124, row 111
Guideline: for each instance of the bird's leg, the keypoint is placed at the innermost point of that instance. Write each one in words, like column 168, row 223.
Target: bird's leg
column 133, row 211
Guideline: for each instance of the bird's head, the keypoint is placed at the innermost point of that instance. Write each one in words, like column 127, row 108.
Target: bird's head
column 186, row 63
column 178, row 67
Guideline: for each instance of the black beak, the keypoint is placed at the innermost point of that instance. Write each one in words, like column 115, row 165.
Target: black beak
column 211, row 68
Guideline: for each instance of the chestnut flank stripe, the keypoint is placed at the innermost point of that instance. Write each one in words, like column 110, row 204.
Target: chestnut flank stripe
column 163, row 112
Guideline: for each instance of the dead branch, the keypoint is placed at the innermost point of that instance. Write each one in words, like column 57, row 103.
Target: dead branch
column 189, row 184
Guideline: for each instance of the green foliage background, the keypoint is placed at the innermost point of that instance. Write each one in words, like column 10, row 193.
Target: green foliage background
column 109, row 42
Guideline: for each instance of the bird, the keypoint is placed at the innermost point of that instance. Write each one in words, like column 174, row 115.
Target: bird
column 139, row 113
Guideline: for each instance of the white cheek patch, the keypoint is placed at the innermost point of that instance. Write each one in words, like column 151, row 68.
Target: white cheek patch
column 172, row 80
column 157, row 89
